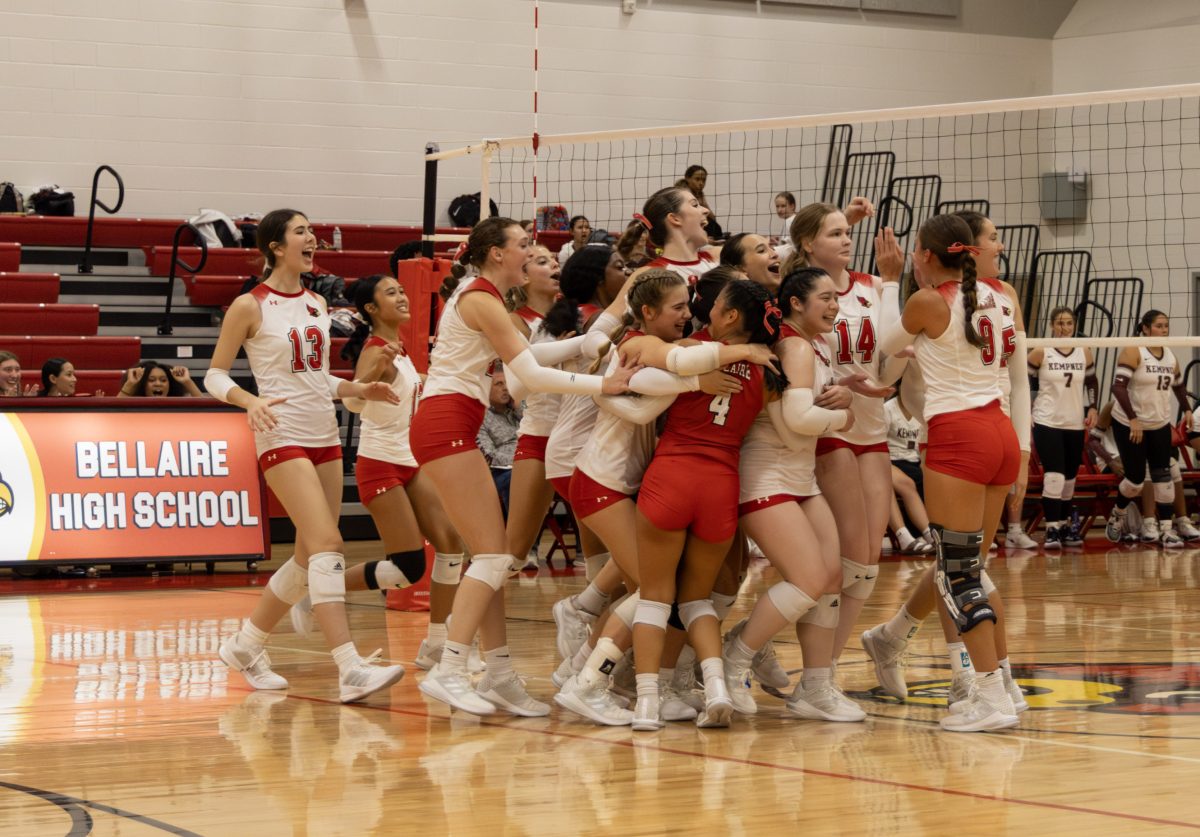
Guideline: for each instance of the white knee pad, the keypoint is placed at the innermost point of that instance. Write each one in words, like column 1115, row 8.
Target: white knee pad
column 1176, row 474
column 1164, row 493
column 689, row 612
column 493, row 569
column 1052, row 485
column 790, row 600
column 825, row 614
column 626, row 609
column 1129, row 489
column 985, row 581
column 327, row 578
column 290, row 582
column 447, row 569
column 652, row 613
column 722, row 604
column 593, row 564
column 858, row 580
column 1068, row 489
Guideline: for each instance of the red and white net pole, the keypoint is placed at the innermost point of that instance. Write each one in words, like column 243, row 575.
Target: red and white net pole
column 536, row 138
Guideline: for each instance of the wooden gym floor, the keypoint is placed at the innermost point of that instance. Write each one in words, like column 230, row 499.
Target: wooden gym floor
column 116, row 718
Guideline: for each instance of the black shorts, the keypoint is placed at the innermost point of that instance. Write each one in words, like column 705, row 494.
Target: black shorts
column 1060, row 451
column 912, row 470
column 1155, row 450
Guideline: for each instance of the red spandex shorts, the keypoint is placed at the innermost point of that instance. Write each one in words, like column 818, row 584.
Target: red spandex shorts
column 562, row 486
column 588, row 496
column 376, row 477
column 978, row 446
column 686, row 492
column 531, row 447
column 766, row 502
column 444, row 425
column 827, row 444
column 317, row 456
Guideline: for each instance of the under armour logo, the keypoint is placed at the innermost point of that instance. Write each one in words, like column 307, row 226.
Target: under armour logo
column 272, row 457
column 601, row 498
column 380, row 490
column 273, row 302
column 457, row 443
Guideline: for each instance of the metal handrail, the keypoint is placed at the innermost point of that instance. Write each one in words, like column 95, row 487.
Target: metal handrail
column 85, row 266
column 164, row 327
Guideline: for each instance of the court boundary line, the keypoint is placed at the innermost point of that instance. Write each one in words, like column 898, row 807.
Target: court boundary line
column 73, row 804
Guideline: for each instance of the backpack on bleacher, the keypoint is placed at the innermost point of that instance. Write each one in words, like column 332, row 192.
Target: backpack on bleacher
column 53, row 201
column 10, row 198
column 464, row 210
column 553, row 218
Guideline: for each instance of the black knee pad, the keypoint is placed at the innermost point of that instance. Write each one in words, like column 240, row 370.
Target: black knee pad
column 1161, row 475
column 675, row 620
column 410, row 563
column 957, row 577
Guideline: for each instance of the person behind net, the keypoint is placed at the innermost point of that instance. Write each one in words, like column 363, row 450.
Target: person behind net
column 473, row 330
column 785, row 210
column 1142, row 387
column 284, row 330
column 904, row 430
column 10, row 377
column 973, row 453
column 581, row 234
column 694, row 180
column 1064, row 411
column 151, row 379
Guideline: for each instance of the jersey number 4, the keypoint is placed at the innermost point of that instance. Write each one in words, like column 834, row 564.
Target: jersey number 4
column 307, row 350
column 719, row 407
column 987, row 351
column 864, row 346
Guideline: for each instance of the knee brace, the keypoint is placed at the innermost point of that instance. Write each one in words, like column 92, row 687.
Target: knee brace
column 400, row 570
column 1068, row 489
column 957, row 577
column 1129, row 489
column 289, row 583
column 1176, row 474
column 493, row 569
column 593, row 564
column 447, row 569
column 858, row 580
column 985, row 581
column 1164, row 492
column 689, row 612
column 825, row 614
column 327, row 578
column 626, row 609
column 1052, row 486
column 652, row 613
column 790, row 600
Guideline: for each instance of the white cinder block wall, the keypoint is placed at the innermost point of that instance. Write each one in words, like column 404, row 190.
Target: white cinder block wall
column 327, row 104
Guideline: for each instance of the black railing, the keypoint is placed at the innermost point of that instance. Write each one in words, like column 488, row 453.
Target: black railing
column 85, row 266
column 164, row 327
column 429, row 218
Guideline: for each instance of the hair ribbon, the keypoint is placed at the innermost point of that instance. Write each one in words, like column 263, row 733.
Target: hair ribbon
column 643, row 220
column 771, row 310
column 959, row 247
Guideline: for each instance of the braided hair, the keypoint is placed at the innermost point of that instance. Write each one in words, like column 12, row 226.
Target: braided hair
column 945, row 236
column 649, row 289
column 760, row 319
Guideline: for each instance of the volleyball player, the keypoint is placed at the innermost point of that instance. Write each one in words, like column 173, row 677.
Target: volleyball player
column 1142, row 387
column 675, row 223
column 1062, row 415
column 754, row 258
column 284, row 330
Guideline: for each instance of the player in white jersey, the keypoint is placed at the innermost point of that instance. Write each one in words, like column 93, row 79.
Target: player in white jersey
column 1063, row 411
column 1142, row 388
column 474, row 329
column 675, row 221
column 973, row 452
column 285, row 332
column 853, row 467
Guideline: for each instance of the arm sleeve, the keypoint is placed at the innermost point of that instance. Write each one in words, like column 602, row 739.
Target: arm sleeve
column 1181, row 395
column 1091, row 385
column 889, row 307
column 695, row 360
column 595, row 342
column 554, row 352
column 218, row 384
column 895, row 338
column 651, row 381
column 538, row 378
column 891, row 369
column 1120, row 391
column 803, row 417
column 790, row 438
column 1019, row 403
column 635, row 409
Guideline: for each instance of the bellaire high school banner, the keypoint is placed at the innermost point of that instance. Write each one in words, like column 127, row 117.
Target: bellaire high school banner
column 84, row 485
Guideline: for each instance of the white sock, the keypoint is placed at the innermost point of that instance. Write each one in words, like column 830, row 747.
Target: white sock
column 1006, row 667
column 251, row 636
column 346, row 656
column 499, row 664
column 991, row 687
column 960, row 660
column 739, row 652
column 927, row 535
column 902, row 626
column 1015, row 528
column 454, row 657
column 815, row 675
column 600, row 663
column 647, row 685
column 904, row 537
column 581, row 656
column 437, row 634
column 591, row 601
column 713, row 670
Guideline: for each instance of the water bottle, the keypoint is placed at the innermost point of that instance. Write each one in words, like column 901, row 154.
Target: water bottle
column 337, row 238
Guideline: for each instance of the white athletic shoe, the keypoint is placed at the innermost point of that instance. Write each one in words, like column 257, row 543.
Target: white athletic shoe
column 1149, row 533
column 455, row 689
column 510, row 695
column 823, row 702
column 429, row 656
column 1114, row 528
column 962, row 689
column 593, row 702
column 646, row 716
column 365, row 677
column 888, row 656
column 1168, row 538
column 718, row 707
column 303, row 621
column 978, row 715
column 1186, row 529
column 564, row 672
column 1019, row 540
column 672, row 707
column 624, row 678
column 765, row 667
column 1014, row 693
column 686, row 687
column 574, row 627
column 737, row 683
column 253, row 663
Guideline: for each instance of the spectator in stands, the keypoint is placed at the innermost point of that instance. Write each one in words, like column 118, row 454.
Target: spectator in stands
column 632, row 244
column 530, row 226
column 156, row 380
column 58, row 377
column 785, row 208
column 498, row 436
column 694, row 180
column 407, row 250
column 581, row 234
column 10, row 377
column 907, row 480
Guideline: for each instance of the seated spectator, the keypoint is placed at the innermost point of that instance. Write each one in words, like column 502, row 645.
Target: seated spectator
column 498, row 436
column 10, row 377
column 58, row 377
column 907, row 481
column 407, row 250
column 581, row 234
column 632, row 245
column 156, row 380
column 785, row 208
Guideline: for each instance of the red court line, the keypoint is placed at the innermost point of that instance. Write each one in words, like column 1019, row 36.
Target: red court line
column 553, row 733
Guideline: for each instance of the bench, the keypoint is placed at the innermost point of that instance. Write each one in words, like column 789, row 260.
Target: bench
column 29, row 287
column 83, row 352
column 239, row 261
column 10, row 256
column 49, row 318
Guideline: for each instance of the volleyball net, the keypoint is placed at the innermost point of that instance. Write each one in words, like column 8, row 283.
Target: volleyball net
column 1096, row 196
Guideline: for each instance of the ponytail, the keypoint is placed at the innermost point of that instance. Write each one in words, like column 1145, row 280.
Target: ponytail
column 363, row 295
column 943, row 235
column 970, row 300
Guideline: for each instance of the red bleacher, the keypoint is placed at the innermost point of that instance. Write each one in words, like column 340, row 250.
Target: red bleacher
column 29, row 287
column 10, row 256
column 238, row 261
column 49, row 319
column 87, row 381
column 217, row 291
column 83, row 352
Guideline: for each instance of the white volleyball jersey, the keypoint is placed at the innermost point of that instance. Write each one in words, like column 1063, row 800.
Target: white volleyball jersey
column 855, row 342
column 959, row 376
column 289, row 358
column 461, row 361
column 912, row 390
column 904, row 433
column 617, row 452
column 691, row 271
column 1060, row 398
column 541, row 408
column 576, row 418
column 384, row 433
column 1150, row 389
column 767, row 465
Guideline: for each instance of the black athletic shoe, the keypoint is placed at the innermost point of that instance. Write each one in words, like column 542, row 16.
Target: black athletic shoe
column 1055, row 537
column 1074, row 534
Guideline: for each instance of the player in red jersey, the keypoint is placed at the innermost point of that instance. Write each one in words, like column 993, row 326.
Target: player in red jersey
column 699, row 446
column 285, row 332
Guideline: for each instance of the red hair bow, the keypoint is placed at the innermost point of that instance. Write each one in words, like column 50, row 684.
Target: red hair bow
column 643, row 220
column 959, row 247
column 772, row 310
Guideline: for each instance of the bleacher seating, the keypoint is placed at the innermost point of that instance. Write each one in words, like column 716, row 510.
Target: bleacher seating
column 83, row 352
column 87, row 381
column 217, row 291
column 29, row 287
column 10, row 256
column 49, row 318
column 240, row 261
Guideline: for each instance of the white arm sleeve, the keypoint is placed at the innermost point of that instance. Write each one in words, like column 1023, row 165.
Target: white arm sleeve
column 538, row 378
column 793, row 440
column 651, row 381
column 595, row 342
column 638, row 409
column 889, row 307
column 1019, row 404
column 218, row 383
column 554, row 352
column 807, row 419
column 694, row 360
column 895, row 338
column 891, row 369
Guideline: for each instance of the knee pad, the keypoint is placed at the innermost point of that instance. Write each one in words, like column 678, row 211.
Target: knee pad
column 1052, row 486
column 825, row 614
column 493, row 569
column 593, row 564
column 957, row 577
column 1129, row 489
column 626, row 609
column 1068, row 489
column 327, row 578
column 652, row 613
column 447, row 569
column 400, row 570
column 1164, row 493
column 722, row 604
column 858, row 580
column 790, row 600
column 1176, row 474
column 985, row 581
column 290, row 582
column 689, row 612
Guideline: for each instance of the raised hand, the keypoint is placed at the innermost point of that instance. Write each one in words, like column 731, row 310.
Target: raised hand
column 858, row 209
column 889, row 257
column 181, row 373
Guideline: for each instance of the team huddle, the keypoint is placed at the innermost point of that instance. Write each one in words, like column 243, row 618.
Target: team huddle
column 682, row 409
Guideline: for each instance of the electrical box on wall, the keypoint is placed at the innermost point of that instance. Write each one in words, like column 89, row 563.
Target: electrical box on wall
column 1064, row 196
